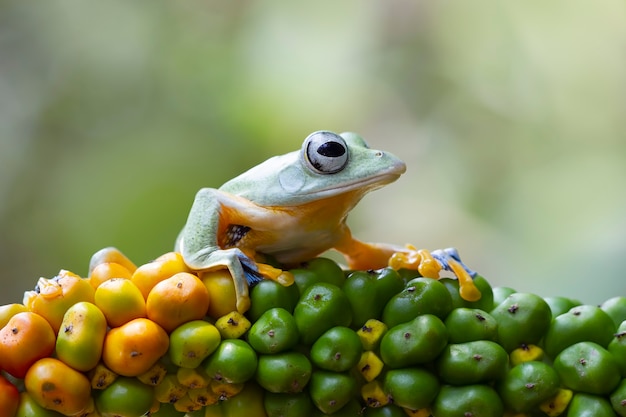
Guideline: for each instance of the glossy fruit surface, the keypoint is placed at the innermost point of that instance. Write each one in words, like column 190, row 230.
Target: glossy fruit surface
column 9, row 398
column 81, row 336
column 56, row 386
column 470, row 324
column 106, row 271
column 579, row 324
column 412, row 388
column 177, row 300
column 120, row 301
column 222, row 297
column 287, row 372
column 522, row 319
column 420, row 296
column 338, row 349
column 275, row 331
column 588, row 367
column 26, row 338
column 330, row 391
column 9, row 310
column 269, row 294
column 468, row 400
column 192, row 342
column 479, row 361
column 126, row 397
column 55, row 296
column 132, row 348
column 234, row 362
column 418, row 341
column 321, row 307
column 526, row 385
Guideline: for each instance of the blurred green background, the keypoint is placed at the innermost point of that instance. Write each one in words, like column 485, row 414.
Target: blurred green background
column 510, row 116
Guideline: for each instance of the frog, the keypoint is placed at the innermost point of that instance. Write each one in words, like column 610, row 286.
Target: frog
column 293, row 207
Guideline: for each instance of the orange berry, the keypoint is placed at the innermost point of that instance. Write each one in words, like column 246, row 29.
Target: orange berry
column 133, row 348
column 111, row 254
column 26, row 338
column 54, row 296
column 107, row 270
column 56, row 386
column 222, row 296
column 150, row 274
column 120, row 300
column 9, row 397
column 177, row 300
column 9, row 310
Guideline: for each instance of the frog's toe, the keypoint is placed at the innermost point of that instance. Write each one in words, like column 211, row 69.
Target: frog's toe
column 285, row 278
column 444, row 256
column 253, row 276
column 450, row 260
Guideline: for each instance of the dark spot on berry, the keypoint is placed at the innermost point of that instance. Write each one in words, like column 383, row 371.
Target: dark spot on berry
column 48, row 386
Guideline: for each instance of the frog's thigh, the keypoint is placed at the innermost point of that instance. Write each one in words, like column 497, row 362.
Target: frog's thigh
column 362, row 255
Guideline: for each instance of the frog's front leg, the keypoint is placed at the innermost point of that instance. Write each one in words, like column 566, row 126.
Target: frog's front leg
column 199, row 241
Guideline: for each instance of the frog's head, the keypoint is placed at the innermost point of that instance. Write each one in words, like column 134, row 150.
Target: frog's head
column 339, row 163
column 326, row 165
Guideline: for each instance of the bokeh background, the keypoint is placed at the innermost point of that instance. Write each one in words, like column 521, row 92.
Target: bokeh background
column 510, row 116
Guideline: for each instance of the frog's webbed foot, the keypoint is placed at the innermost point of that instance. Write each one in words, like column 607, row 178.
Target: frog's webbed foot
column 244, row 270
column 285, row 278
column 429, row 264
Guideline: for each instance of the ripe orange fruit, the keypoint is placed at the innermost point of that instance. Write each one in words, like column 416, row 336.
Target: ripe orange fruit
column 222, row 296
column 177, row 300
column 56, row 386
column 150, row 274
column 110, row 254
column 107, row 270
column 26, row 338
column 9, row 397
column 54, row 296
column 120, row 300
column 132, row 349
column 9, row 310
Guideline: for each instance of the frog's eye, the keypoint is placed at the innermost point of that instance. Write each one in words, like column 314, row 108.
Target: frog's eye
column 325, row 152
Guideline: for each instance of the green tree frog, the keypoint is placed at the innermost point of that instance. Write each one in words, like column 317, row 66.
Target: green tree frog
column 293, row 207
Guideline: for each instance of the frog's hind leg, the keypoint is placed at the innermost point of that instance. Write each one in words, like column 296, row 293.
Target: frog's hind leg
column 451, row 261
column 429, row 264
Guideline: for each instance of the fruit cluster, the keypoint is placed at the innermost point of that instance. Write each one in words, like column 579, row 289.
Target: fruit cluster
column 161, row 340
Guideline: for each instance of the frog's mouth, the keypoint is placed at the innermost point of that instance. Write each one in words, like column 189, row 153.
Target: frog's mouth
column 359, row 184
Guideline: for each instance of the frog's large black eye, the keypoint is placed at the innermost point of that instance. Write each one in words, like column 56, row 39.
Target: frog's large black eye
column 325, row 152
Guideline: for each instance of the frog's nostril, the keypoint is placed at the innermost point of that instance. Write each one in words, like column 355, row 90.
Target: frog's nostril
column 379, row 154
